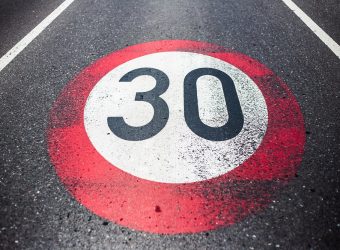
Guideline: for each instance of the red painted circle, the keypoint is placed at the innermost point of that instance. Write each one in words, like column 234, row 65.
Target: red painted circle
column 175, row 208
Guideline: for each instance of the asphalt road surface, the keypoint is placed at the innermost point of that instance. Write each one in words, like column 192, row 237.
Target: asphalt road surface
column 36, row 210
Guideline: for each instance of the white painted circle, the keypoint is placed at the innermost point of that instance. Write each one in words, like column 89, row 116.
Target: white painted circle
column 175, row 154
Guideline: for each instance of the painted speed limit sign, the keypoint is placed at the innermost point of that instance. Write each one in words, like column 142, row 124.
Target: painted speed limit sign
column 175, row 136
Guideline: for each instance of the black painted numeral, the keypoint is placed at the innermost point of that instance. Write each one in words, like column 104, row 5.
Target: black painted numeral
column 161, row 111
column 191, row 110
column 235, row 120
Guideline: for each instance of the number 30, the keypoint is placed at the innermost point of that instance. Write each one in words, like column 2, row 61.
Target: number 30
column 191, row 113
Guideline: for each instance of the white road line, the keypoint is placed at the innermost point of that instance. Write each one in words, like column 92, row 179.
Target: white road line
column 314, row 27
column 12, row 53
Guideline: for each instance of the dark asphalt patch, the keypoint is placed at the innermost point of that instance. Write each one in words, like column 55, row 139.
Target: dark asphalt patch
column 325, row 14
column 19, row 17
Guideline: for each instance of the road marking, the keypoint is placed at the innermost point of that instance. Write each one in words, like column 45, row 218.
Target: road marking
column 136, row 139
column 21, row 45
column 324, row 37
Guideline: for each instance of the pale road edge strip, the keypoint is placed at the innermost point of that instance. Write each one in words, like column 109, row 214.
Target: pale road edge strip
column 326, row 39
column 12, row 53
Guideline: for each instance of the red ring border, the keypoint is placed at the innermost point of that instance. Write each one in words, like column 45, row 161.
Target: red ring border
column 175, row 208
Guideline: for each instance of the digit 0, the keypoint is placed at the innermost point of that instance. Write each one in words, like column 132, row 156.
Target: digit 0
column 191, row 113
